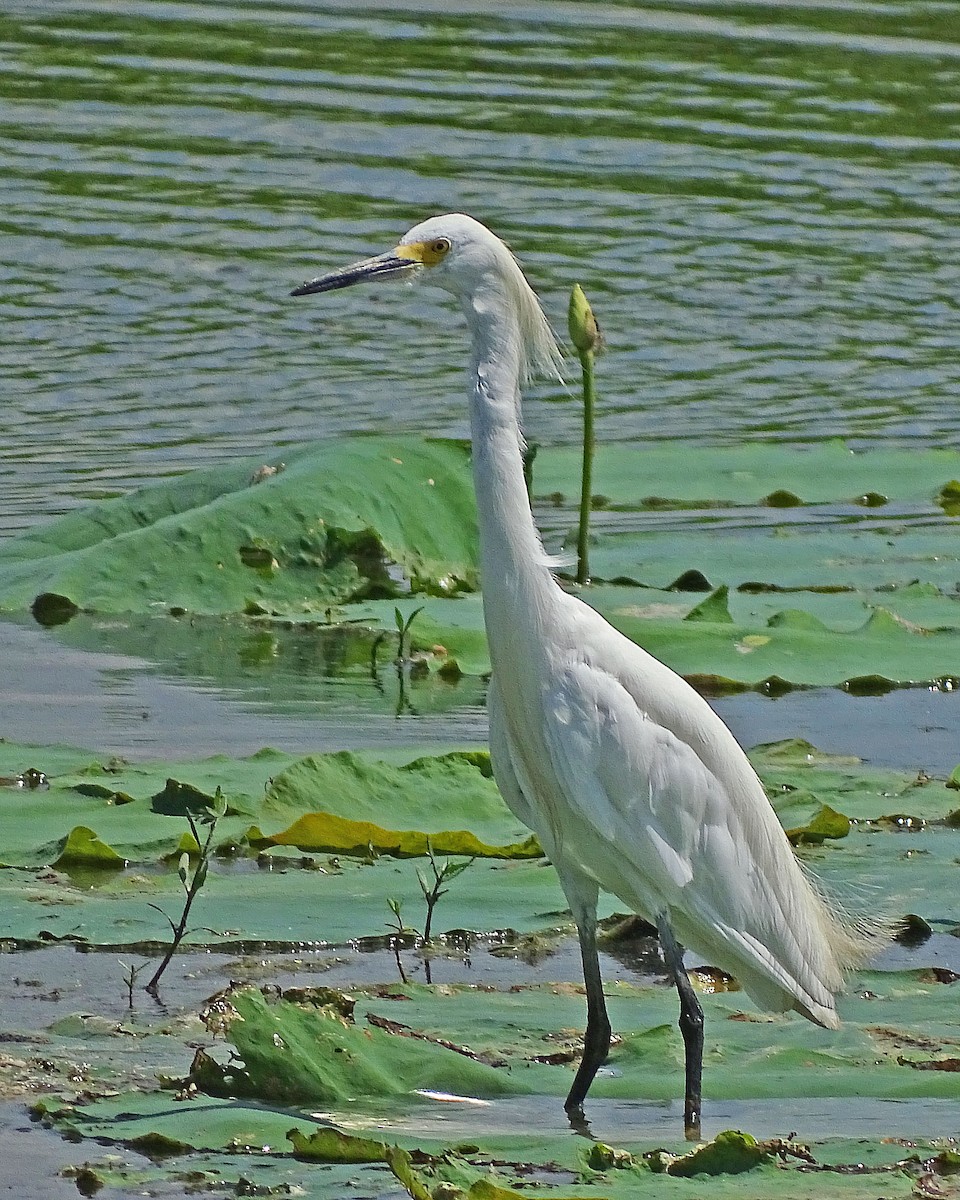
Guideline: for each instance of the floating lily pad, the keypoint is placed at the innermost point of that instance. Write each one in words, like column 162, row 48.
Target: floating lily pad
column 704, row 641
column 331, row 1146
column 730, row 1153
column 743, row 475
column 428, row 794
column 342, row 520
column 415, row 802
column 327, row 833
column 825, row 823
column 789, row 558
column 292, row 1052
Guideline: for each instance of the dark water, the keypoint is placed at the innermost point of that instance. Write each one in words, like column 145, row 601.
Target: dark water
column 761, row 199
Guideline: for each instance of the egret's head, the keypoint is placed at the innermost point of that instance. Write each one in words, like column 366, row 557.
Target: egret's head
column 461, row 255
column 448, row 251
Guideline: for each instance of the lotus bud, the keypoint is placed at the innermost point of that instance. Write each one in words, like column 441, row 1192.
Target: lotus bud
column 584, row 330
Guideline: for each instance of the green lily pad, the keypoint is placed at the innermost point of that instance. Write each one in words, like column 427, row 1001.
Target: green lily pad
column 340, row 901
column 330, row 527
column 830, row 472
column 82, row 847
column 427, row 794
column 704, row 642
column 730, row 1153
column 825, row 823
column 301, row 1052
column 785, row 558
column 332, row 1146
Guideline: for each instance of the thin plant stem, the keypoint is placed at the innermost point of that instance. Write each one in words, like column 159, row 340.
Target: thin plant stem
column 396, row 955
column 432, row 892
column 394, row 906
column 586, row 474
column 587, row 340
column 192, row 890
column 130, row 978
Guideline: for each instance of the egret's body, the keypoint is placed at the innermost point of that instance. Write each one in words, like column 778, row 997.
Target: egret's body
column 630, row 780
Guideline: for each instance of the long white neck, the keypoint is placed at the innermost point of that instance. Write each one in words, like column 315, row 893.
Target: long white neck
column 517, row 583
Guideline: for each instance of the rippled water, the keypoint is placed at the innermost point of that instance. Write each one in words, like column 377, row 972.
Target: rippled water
column 761, row 199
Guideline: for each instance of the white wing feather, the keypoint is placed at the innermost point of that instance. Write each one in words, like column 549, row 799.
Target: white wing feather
column 660, row 806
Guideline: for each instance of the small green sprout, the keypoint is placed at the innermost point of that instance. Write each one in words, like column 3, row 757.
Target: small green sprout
column 403, row 630
column 433, row 891
column 191, row 885
column 401, row 932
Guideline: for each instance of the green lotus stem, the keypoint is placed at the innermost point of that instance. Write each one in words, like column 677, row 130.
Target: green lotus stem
column 586, row 471
column 587, row 340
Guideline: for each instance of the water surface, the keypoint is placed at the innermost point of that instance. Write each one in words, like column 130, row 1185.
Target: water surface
column 761, row 199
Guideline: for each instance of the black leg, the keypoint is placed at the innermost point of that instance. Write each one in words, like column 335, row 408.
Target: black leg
column 691, row 1028
column 596, row 1040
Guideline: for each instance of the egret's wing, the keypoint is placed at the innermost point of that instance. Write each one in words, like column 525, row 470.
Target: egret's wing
column 633, row 786
column 640, row 809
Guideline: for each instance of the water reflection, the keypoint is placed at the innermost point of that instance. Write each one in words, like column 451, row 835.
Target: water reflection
column 221, row 687
column 233, row 690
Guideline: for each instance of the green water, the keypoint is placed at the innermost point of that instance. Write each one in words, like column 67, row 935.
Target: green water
column 761, row 199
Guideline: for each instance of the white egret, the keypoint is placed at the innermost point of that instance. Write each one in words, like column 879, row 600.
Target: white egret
column 629, row 779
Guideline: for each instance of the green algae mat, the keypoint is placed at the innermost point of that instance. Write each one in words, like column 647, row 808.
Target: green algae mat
column 381, row 1083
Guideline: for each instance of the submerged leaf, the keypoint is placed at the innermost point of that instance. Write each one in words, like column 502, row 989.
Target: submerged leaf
column 949, row 498
column 332, row 1146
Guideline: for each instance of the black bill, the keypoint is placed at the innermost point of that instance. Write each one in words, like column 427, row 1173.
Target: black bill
column 384, row 267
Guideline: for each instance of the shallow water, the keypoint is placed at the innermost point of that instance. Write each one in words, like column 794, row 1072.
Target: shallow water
column 143, row 708
column 625, row 1120
column 40, row 991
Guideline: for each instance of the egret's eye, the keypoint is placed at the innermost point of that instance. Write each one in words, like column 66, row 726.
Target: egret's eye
column 440, row 246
